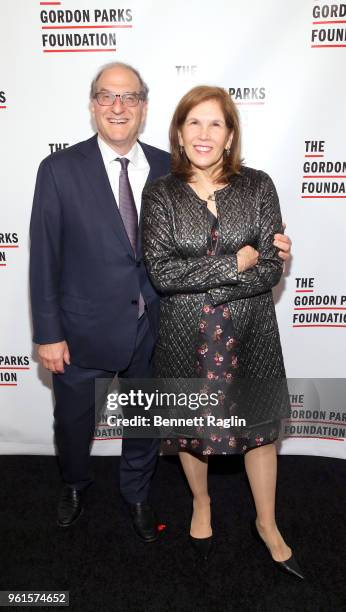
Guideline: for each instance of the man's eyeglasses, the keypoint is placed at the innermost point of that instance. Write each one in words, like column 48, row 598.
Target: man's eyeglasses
column 107, row 98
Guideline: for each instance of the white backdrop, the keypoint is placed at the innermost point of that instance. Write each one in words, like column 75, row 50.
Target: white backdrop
column 285, row 69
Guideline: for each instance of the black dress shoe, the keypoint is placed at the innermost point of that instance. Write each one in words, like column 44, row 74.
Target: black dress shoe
column 202, row 547
column 70, row 506
column 290, row 566
column 144, row 521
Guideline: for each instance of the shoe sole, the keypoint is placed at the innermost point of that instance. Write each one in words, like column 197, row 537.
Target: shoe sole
column 146, row 541
column 149, row 541
column 66, row 525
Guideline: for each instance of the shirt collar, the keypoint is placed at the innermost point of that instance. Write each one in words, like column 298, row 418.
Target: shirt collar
column 135, row 154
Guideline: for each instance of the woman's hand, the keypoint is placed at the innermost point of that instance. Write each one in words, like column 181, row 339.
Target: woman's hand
column 247, row 257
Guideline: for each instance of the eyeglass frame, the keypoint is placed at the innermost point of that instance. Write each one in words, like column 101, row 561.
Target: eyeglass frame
column 139, row 96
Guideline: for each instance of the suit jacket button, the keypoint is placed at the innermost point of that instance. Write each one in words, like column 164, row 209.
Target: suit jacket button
column 134, row 302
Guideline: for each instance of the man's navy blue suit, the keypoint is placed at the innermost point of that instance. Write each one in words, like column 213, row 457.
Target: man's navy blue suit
column 85, row 284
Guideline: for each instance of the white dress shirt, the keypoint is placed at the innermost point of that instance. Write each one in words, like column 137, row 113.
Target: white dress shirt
column 138, row 170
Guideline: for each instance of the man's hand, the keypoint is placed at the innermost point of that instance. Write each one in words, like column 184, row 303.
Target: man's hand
column 53, row 356
column 247, row 257
column 283, row 242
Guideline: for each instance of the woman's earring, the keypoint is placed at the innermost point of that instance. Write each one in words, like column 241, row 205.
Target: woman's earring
column 181, row 149
column 227, row 151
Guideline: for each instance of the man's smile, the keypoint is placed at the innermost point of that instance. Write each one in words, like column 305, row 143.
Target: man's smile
column 117, row 121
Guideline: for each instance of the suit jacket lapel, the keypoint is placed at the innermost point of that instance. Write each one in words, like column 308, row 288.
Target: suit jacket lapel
column 97, row 178
column 155, row 169
column 151, row 177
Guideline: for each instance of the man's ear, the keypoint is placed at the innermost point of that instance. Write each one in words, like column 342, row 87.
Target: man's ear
column 145, row 112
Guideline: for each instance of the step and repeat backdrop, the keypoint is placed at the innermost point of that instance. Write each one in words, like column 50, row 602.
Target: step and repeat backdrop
column 284, row 65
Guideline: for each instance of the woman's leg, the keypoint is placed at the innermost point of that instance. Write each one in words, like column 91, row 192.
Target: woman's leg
column 261, row 468
column 196, row 472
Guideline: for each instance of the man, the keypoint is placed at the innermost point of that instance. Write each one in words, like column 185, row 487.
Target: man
column 95, row 312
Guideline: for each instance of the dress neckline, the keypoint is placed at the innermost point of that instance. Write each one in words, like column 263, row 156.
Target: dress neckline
column 192, row 192
column 212, row 214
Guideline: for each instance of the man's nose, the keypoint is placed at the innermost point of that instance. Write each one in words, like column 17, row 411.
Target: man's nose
column 117, row 106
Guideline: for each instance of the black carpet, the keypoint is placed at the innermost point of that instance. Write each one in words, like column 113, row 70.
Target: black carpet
column 105, row 567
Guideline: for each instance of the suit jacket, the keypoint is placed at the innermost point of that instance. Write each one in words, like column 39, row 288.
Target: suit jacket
column 85, row 279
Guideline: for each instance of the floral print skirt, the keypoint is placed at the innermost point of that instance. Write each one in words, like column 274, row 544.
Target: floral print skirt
column 217, row 360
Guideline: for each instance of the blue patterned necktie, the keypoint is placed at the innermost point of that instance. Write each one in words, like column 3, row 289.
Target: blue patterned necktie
column 128, row 211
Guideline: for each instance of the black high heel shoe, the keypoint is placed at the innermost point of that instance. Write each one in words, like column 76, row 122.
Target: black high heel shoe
column 202, row 547
column 290, row 566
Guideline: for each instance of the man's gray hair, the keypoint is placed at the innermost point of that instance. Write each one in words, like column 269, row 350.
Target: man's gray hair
column 144, row 87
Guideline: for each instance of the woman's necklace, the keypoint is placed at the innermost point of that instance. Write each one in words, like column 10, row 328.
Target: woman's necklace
column 204, row 191
column 209, row 197
column 205, row 194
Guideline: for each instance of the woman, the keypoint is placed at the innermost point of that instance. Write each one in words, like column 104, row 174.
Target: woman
column 208, row 233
